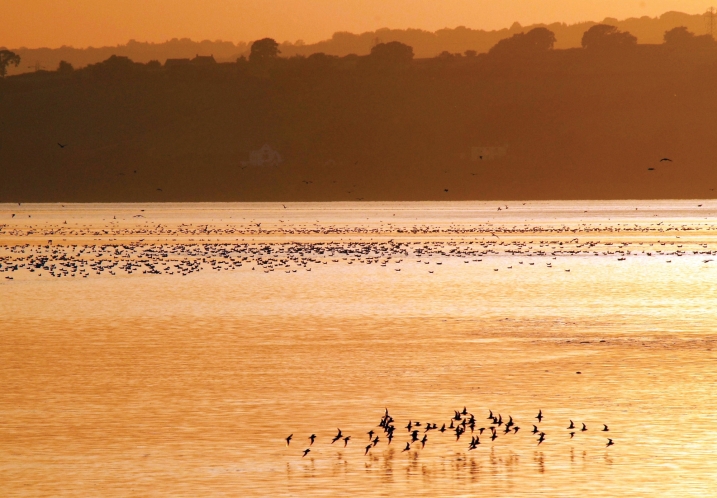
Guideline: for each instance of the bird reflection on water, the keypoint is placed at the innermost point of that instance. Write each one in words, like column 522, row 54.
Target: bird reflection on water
column 460, row 462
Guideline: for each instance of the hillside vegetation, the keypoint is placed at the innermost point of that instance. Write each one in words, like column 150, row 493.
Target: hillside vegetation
column 523, row 121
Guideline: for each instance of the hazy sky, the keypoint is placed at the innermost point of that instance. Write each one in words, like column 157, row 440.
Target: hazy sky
column 81, row 23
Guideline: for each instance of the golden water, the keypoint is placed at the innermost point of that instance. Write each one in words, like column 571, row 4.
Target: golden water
column 170, row 385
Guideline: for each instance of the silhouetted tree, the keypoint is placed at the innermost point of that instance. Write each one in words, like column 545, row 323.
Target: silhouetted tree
column 470, row 53
column 534, row 41
column 446, row 55
column 263, row 50
column 116, row 67
column 320, row 56
column 65, row 67
column 681, row 38
column 606, row 37
column 320, row 60
column 154, row 64
column 392, row 54
column 7, row 58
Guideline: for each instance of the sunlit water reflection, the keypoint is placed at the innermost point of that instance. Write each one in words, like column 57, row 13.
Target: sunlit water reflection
column 142, row 384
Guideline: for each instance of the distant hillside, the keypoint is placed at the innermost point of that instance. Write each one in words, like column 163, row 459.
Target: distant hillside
column 424, row 43
column 524, row 121
column 49, row 58
column 460, row 39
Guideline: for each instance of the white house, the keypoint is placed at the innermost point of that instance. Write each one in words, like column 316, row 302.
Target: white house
column 266, row 156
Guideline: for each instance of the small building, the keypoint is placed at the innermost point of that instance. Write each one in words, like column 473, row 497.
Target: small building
column 488, row 153
column 266, row 156
column 203, row 60
column 177, row 62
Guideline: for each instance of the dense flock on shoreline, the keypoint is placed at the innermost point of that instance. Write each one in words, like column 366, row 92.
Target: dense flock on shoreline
column 60, row 250
column 380, row 228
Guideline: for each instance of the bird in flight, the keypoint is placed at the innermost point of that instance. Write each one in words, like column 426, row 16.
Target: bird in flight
column 609, row 442
column 306, row 452
column 288, row 439
column 62, row 146
column 665, row 159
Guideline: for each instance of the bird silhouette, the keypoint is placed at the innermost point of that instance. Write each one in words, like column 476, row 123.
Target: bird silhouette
column 609, row 442
column 665, row 159
column 312, row 438
column 288, row 439
column 61, row 145
column 605, row 428
column 408, row 447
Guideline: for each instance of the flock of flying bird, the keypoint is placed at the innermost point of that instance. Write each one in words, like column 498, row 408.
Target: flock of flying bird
column 460, row 424
column 445, row 190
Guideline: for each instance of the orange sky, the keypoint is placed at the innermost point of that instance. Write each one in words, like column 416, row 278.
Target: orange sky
column 82, row 23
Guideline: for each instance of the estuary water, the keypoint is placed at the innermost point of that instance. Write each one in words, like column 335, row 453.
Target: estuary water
column 169, row 349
